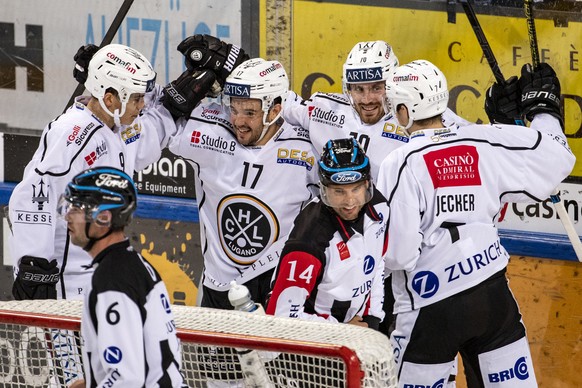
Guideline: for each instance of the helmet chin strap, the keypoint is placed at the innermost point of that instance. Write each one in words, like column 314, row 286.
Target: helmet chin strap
column 93, row 240
column 266, row 124
column 116, row 114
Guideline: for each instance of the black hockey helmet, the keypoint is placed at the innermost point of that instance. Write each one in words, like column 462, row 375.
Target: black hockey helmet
column 100, row 189
column 342, row 162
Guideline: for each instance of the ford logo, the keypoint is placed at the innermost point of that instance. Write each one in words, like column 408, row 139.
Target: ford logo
column 344, row 177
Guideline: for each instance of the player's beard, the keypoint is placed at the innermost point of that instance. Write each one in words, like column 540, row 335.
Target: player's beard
column 370, row 113
column 246, row 135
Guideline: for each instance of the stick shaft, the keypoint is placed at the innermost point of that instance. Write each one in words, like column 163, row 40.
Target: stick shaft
column 531, row 32
column 493, row 64
column 123, row 10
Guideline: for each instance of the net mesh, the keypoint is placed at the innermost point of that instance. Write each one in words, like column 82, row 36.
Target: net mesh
column 40, row 347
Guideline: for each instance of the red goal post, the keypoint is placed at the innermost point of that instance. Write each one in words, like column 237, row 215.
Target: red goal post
column 40, row 346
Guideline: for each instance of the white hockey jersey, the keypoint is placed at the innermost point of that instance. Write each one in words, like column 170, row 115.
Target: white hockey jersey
column 444, row 190
column 75, row 141
column 331, row 116
column 331, row 269
column 247, row 196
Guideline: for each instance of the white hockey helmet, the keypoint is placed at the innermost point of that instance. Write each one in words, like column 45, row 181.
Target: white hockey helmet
column 258, row 79
column 368, row 62
column 123, row 69
column 421, row 87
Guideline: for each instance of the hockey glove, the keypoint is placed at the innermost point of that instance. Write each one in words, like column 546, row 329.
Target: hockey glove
column 36, row 279
column 502, row 102
column 82, row 59
column 185, row 93
column 540, row 92
column 208, row 52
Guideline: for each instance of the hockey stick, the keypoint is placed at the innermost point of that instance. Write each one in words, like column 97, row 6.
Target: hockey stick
column 106, row 40
column 500, row 79
column 555, row 197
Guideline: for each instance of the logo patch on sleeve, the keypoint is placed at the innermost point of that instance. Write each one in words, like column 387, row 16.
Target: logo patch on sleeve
column 454, row 166
column 343, row 250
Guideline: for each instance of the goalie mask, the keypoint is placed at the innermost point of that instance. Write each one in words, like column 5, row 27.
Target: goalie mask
column 343, row 162
column 120, row 68
column 368, row 62
column 421, row 87
column 258, row 79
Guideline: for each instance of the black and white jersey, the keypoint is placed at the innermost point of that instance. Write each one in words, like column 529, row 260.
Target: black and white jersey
column 331, row 116
column 332, row 269
column 129, row 333
column 247, row 196
column 444, row 190
column 72, row 143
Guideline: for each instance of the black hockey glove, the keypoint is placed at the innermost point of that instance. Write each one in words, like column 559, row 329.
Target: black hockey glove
column 502, row 102
column 82, row 59
column 208, row 52
column 185, row 93
column 36, row 279
column 540, row 92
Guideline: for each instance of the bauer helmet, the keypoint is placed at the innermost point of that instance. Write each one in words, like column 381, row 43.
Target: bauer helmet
column 120, row 68
column 342, row 162
column 258, row 79
column 421, row 87
column 97, row 190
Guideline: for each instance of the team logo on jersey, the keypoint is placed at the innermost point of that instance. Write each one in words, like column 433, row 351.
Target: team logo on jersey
column 454, row 166
column 395, row 132
column 112, row 355
column 327, row 117
column 344, row 252
column 425, row 283
column 131, row 133
column 38, row 194
column 246, row 227
column 296, row 157
column 217, row 143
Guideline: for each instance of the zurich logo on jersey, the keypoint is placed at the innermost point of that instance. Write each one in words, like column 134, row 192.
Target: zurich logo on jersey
column 425, row 283
column 369, row 264
column 112, row 355
column 165, row 303
column 344, row 177
column 237, row 90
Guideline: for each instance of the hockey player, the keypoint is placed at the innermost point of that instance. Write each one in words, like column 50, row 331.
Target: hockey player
column 254, row 174
column 127, row 323
column 444, row 189
column 332, row 266
column 105, row 128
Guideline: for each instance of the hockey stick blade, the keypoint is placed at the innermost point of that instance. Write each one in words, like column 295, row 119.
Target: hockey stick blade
column 123, row 10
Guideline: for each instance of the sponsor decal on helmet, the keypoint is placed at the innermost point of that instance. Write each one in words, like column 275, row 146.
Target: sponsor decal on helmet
column 108, row 180
column 344, row 177
column 237, row 90
column 119, row 61
column 404, row 78
column 274, row 67
column 364, row 75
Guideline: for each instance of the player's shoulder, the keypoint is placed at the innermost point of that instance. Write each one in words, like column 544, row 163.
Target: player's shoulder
column 330, row 99
column 73, row 129
column 292, row 133
column 211, row 113
column 314, row 225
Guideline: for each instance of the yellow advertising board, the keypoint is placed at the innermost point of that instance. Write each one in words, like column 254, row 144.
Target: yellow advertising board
column 322, row 34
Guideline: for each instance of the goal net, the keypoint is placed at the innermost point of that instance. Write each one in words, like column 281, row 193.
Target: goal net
column 40, row 346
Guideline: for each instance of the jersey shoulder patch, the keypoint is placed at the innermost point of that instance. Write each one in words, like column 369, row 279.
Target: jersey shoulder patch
column 330, row 98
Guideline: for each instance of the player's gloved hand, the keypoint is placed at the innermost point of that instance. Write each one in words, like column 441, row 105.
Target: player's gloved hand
column 540, row 92
column 185, row 93
column 208, row 52
column 502, row 102
column 82, row 59
column 36, row 279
